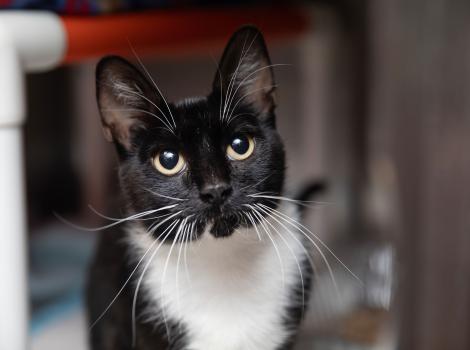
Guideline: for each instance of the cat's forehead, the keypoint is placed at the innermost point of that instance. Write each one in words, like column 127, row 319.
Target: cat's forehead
column 192, row 111
column 196, row 120
column 200, row 119
column 189, row 102
column 198, row 115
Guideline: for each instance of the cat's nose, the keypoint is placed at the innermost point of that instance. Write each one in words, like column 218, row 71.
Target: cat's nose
column 215, row 193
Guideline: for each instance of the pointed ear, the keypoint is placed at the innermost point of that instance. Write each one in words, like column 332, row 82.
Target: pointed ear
column 245, row 76
column 127, row 100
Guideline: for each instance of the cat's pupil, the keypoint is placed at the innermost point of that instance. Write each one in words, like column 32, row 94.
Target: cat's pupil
column 240, row 144
column 169, row 159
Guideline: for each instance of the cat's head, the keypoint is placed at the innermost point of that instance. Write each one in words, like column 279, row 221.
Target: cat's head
column 202, row 160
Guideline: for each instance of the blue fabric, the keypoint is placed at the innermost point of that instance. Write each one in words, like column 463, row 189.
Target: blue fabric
column 54, row 312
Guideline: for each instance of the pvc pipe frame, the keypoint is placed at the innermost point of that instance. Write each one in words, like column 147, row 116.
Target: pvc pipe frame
column 29, row 42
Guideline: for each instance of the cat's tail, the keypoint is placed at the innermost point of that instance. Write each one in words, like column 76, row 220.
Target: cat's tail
column 309, row 192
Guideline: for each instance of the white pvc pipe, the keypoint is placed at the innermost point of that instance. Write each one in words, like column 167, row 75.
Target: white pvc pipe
column 13, row 286
column 38, row 37
column 12, row 104
column 29, row 41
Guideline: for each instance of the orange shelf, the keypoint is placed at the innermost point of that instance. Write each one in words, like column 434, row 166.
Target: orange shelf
column 169, row 31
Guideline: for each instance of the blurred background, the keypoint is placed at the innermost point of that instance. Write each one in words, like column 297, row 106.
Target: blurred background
column 373, row 100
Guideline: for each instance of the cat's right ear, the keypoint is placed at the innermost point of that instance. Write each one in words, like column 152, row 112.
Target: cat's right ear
column 127, row 100
column 245, row 75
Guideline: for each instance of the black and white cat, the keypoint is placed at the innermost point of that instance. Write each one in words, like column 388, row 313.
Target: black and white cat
column 211, row 256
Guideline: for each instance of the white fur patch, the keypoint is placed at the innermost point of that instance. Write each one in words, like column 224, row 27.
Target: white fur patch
column 232, row 293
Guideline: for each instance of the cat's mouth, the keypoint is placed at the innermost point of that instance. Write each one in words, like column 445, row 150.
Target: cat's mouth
column 221, row 222
column 224, row 226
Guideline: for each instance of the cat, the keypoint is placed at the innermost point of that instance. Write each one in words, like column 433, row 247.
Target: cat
column 211, row 256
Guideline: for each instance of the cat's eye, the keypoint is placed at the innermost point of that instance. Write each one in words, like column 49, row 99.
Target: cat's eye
column 241, row 147
column 169, row 162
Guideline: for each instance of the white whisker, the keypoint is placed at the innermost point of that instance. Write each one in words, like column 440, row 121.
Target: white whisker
column 128, row 279
column 107, row 217
column 239, row 115
column 292, row 253
column 233, row 78
column 183, row 236
column 253, row 73
column 328, row 266
column 269, row 213
column 301, row 228
column 167, row 126
column 134, row 301
column 146, row 99
column 230, row 112
column 164, row 196
column 250, row 218
column 260, row 195
column 221, row 82
column 185, row 255
column 261, row 221
column 154, row 83
column 182, row 224
column 129, row 218
column 229, row 97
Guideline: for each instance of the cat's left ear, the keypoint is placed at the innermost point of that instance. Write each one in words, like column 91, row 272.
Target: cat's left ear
column 245, row 75
column 127, row 101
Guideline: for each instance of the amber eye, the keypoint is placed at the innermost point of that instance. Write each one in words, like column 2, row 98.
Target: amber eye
column 241, row 147
column 169, row 162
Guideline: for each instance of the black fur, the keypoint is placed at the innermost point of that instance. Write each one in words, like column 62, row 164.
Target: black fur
column 141, row 127
column 108, row 273
column 309, row 191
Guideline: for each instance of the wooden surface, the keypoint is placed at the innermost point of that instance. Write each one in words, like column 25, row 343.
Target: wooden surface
column 420, row 123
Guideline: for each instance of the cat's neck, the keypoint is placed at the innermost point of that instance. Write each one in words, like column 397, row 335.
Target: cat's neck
column 220, row 283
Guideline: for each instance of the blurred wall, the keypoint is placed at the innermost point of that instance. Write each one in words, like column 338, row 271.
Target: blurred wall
column 420, row 137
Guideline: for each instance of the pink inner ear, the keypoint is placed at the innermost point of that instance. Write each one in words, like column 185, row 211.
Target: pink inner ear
column 260, row 92
column 118, row 127
column 107, row 134
column 118, row 110
column 124, row 96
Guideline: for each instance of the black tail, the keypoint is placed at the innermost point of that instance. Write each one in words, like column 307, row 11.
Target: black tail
column 309, row 192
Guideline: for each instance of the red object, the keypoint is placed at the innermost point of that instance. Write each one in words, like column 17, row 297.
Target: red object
column 77, row 6
column 169, row 31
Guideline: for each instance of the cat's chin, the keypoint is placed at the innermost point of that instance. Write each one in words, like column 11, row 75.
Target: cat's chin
column 224, row 226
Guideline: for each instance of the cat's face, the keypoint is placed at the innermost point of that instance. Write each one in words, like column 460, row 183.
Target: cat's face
column 201, row 160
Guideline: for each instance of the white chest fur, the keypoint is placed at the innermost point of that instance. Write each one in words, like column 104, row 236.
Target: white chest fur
column 228, row 293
